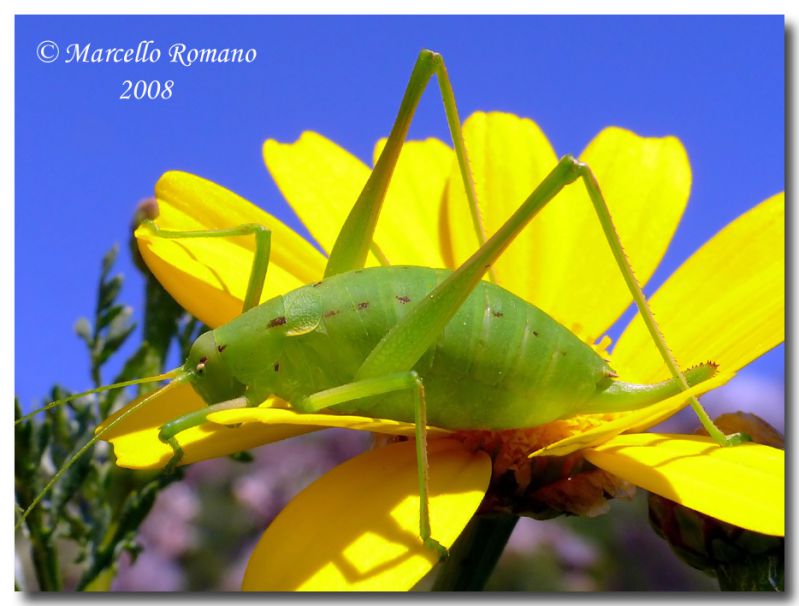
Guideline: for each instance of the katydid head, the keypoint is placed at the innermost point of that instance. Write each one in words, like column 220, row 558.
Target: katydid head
column 208, row 373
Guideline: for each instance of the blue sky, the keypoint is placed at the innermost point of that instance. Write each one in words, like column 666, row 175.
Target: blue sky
column 84, row 158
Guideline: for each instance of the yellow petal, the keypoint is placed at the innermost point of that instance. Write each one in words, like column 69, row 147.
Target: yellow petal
column 322, row 181
column 637, row 420
column 319, row 179
column 284, row 416
column 407, row 231
column 208, row 276
column 561, row 262
column 726, row 303
column 743, row 485
column 135, row 438
column 357, row 528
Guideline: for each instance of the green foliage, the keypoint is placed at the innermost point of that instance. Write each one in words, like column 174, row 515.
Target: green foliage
column 74, row 537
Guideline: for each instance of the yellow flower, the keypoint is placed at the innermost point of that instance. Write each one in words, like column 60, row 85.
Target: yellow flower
column 725, row 304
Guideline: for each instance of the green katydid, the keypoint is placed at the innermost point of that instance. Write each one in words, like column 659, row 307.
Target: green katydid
column 397, row 342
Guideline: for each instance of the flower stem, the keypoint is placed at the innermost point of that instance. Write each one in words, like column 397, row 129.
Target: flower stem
column 765, row 573
column 475, row 553
column 45, row 562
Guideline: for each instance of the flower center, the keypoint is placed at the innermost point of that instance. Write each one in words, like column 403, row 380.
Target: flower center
column 545, row 486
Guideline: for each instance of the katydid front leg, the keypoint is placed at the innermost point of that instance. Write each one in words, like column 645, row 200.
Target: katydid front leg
column 169, row 431
column 255, row 285
column 263, row 241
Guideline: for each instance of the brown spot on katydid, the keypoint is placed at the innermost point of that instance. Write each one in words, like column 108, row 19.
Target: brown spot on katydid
column 363, row 305
column 276, row 366
column 331, row 313
column 221, row 348
column 279, row 321
column 403, row 299
column 497, row 314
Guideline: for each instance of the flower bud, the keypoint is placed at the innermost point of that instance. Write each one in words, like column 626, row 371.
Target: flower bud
column 146, row 210
column 741, row 559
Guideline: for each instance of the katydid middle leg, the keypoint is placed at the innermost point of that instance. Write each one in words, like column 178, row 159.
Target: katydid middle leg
column 408, row 380
column 356, row 236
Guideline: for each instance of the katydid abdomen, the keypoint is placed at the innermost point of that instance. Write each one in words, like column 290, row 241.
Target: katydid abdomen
column 499, row 363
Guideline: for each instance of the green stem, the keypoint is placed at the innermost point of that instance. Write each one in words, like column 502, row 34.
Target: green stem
column 755, row 574
column 43, row 555
column 475, row 554
column 45, row 562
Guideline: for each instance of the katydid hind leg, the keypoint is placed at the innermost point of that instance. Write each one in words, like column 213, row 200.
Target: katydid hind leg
column 356, row 235
column 263, row 241
column 375, row 386
column 612, row 237
column 407, row 341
